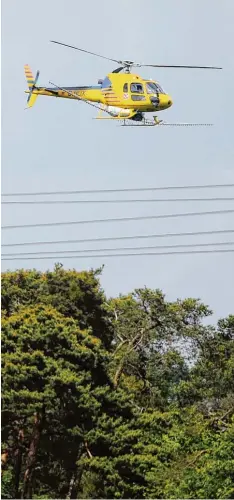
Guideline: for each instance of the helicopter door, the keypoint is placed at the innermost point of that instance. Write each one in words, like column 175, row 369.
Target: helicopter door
column 153, row 90
column 137, row 92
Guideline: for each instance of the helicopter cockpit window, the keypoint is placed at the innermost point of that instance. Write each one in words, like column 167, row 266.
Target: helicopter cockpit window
column 125, row 87
column 154, row 88
column 137, row 88
column 160, row 90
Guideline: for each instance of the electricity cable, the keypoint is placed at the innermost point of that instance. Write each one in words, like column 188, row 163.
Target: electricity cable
column 154, row 247
column 117, row 238
column 146, row 254
column 120, row 219
column 126, row 190
column 149, row 200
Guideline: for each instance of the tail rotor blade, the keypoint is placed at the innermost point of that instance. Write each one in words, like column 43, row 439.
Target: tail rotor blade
column 29, row 95
column 36, row 78
column 33, row 86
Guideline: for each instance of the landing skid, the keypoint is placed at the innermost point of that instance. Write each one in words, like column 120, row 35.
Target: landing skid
column 157, row 122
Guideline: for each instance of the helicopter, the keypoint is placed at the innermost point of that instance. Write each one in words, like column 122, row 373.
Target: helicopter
column 121, row 95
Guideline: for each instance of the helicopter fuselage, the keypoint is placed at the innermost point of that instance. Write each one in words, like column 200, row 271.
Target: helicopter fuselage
column 121, row 91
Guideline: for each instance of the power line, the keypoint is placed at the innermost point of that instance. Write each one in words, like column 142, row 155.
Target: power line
column 62, row 252
column 149, row 200
column 121, row 219
column 126, row 190
column 147, row 254
column 116, row 238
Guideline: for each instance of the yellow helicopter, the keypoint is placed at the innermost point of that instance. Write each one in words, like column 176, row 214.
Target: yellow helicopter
column 122, row 95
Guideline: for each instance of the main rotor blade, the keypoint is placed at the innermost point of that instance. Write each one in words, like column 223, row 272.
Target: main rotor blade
column 179, row 66
column 131, row 63
column 87, row 51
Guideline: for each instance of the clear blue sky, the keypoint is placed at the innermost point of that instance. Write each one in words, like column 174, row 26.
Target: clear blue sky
column 57, row 145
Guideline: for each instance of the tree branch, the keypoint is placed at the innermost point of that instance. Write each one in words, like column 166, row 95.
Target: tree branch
column 88, row 450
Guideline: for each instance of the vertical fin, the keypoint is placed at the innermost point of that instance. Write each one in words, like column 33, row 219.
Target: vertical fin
column 32, row 100
column 29, row 76
column 31, row 81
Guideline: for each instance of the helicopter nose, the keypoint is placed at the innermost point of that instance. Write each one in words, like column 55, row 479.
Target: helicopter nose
column 169, row 101
column 165, row 101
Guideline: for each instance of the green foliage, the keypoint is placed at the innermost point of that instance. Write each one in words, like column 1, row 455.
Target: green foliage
column 7, row 483
column 206, row 469
column 73, row 294
column 52, row 374
column 130, row 397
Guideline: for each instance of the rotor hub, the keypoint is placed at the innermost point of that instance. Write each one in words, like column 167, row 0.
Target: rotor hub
column 127, row 65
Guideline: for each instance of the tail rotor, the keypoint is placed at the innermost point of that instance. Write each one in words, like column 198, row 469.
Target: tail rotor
column 32, row 82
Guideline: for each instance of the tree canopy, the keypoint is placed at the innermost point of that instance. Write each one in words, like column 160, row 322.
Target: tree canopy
column 127, row 397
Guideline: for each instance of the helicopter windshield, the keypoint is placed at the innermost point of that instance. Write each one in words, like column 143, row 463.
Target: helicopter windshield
column 154, row 88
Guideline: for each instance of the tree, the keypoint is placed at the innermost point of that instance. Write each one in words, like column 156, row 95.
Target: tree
column 54, row 384
column 202, row 466
column 130, row 397
column 211, row 378
column 74, row 294
column 153, row 344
